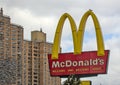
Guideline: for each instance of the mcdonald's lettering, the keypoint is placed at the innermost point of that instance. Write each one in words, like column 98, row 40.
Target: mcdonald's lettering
column 91, row 62
column 69, row 63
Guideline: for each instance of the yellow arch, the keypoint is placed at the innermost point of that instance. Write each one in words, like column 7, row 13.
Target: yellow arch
column 77, row 36
column 100, row 44
column 58, row 33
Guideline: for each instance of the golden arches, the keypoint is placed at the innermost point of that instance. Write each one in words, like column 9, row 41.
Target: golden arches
column 77, row 36
column 100, row 43
column 58, row 33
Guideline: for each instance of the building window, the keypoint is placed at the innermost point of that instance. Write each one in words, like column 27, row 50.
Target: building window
column 1, row 23
column 1, row 28
column 35, row 54
column 35, row 80
column 13, row 38
column 35, row 77
column 1, row 36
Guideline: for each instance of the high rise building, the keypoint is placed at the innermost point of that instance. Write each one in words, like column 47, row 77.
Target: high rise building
column 11, row 43
column 23, row 62
column 36, row 60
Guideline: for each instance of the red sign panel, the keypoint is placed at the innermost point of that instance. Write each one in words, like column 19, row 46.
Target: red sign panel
column 83, row 64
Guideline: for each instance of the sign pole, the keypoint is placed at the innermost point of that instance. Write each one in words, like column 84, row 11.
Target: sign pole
column 72, row 80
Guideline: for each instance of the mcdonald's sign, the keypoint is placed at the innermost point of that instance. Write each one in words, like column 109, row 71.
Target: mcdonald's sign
column 82, row 63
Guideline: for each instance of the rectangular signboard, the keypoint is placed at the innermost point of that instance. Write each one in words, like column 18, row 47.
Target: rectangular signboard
column 86, row 63
column 85, row 83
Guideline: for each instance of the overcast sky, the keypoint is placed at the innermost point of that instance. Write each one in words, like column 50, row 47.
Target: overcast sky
column 36, row 14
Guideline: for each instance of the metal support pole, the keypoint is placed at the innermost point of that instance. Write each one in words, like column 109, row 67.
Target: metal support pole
column 72, row 80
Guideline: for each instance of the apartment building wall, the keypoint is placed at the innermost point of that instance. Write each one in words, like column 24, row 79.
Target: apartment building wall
column 17, row 49
column 11, row 43
column 38, row 68
column 5, row 38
